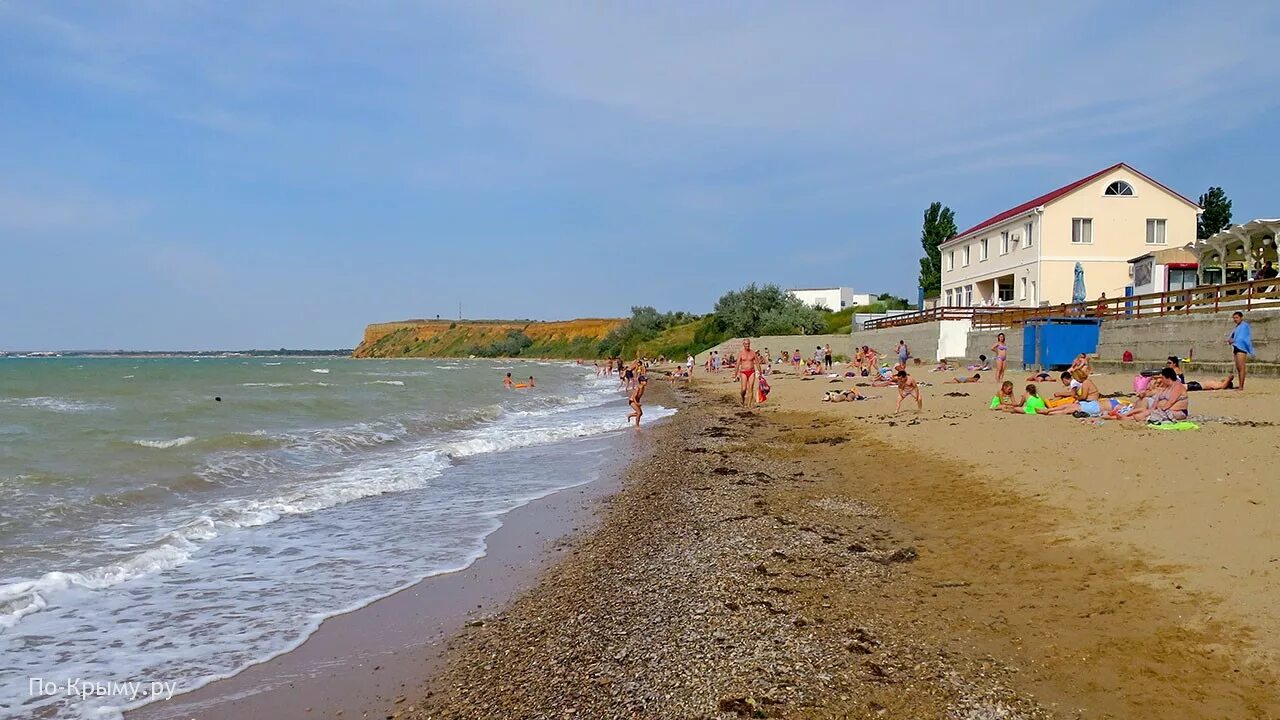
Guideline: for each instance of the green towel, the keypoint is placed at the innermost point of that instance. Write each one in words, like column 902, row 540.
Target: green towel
column 1181, row 425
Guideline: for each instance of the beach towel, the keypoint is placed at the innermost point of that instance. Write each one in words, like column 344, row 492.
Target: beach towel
column 1181, row 425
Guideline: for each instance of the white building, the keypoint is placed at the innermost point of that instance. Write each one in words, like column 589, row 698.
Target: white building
column 833, row 299
column 1026, row 256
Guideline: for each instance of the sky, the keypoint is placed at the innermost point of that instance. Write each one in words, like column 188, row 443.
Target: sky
column 183, row 175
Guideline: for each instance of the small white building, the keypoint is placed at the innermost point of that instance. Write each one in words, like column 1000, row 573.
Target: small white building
column 1163, row 270
column 833, row 299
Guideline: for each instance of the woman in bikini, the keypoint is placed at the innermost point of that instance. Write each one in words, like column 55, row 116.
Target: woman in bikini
column 1170, row 404
column 1002, row 354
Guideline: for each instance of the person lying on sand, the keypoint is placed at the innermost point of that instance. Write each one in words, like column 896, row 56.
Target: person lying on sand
column 1041, row 376
column 843, row 396
column 942, row 366
column 982, row 365
column 907, row 387
column 636, row 396
column 1003, row 399
column 1227, row 383
column 961, row 380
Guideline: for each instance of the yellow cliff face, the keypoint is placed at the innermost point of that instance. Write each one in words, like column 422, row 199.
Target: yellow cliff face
column 444, row 338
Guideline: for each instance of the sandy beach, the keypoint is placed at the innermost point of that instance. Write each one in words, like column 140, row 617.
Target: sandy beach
column 816, row 560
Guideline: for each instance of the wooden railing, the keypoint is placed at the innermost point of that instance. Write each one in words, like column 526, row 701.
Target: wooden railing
column 1245, row 296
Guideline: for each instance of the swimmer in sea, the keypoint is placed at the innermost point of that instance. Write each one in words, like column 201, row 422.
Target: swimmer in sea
column 507, row 382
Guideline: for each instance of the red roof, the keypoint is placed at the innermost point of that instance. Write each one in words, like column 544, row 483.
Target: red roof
column 1054, row 195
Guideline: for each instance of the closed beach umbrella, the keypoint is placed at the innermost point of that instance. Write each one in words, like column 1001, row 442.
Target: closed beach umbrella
column 1077, row 289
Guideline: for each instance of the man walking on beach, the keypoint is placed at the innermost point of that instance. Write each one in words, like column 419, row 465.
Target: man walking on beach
column 1241, row 342
column 745, row 370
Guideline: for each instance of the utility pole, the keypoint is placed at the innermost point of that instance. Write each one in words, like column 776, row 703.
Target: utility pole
column 459, row 310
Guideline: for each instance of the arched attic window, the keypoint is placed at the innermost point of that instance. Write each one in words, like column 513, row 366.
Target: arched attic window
column 1119, row 188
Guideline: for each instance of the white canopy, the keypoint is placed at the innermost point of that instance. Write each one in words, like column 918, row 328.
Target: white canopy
column 1251, row 243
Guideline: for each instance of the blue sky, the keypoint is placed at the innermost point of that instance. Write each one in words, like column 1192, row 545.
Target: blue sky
column 208, row 174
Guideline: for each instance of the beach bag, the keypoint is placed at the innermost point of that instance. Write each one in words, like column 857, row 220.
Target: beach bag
column 764, row 390
column 1140, row 383
column 1127, row 357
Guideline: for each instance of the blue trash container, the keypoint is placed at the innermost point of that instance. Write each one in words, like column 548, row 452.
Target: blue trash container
column 1053, row 343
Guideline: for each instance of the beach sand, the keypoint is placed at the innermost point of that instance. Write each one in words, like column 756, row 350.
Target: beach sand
column 816, row 560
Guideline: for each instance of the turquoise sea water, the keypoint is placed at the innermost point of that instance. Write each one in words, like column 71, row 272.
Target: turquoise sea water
column 151, row 533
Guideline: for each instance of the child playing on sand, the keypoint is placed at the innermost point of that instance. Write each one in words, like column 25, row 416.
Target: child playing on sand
column 1032, row 403
column 636, row 396
column 1003, row 399
column 907, row 387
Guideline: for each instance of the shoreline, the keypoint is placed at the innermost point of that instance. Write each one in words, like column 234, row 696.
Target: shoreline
column 377, row 655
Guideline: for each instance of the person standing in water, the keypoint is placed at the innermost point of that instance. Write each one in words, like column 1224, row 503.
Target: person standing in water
column 746, row 371
column 636, row 397
column 1001, row 350
column 507, row 382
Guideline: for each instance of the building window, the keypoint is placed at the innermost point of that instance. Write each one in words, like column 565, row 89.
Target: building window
column 982, row 250
column 1004, row 292
column 1033, row 292
column 1119, row 188
column 951, row 260
column 1026, row 234
column 1022, row 292
column 1004, row 243
column 968, row 296
column 1082, row 230
column 949, row 298
column 965, row 257
column 1155, row 231
column 1181, row 278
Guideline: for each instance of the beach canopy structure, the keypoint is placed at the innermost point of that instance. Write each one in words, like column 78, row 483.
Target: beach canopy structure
column 1239, row 249
column 1078, row 294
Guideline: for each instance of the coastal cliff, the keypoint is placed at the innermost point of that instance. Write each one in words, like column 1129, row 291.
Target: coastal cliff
column 444, row 338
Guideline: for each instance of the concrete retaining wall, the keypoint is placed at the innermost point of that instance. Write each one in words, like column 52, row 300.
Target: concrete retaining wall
column 980, row 342
column 840, row 345
column 922, row 339
column 1199, row 336
column 1151, row 340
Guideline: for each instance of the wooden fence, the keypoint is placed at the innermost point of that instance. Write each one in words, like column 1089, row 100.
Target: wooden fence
column 1245, row 296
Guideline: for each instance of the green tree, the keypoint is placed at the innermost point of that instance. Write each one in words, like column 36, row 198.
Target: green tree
column 939, row 227
column 766, row 310
column 1216, row 214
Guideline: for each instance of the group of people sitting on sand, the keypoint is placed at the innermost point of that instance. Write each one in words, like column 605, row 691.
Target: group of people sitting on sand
column 1159, row 398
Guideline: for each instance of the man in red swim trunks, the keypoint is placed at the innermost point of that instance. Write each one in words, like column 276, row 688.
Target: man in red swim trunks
column 747, row 371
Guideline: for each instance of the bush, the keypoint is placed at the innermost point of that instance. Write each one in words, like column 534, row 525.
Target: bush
column 767, row 310
column 512, row 345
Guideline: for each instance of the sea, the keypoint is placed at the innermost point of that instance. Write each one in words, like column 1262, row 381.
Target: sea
column 171, row 521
